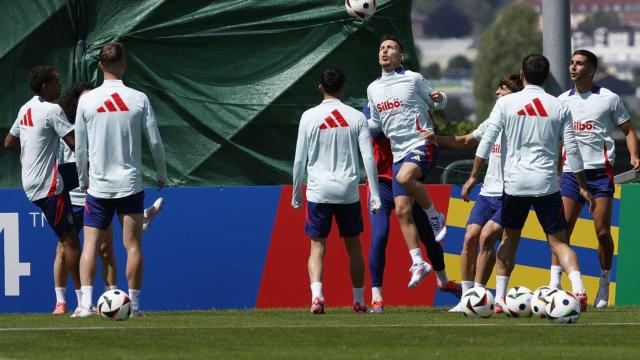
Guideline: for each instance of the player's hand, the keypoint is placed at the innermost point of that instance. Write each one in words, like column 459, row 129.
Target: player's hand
column 296, row 204
column 635, row 163
column 436, row 96
column 429, row 135
column 160, row 184
column 587, row 196
column 374, row 206
column 467, row 187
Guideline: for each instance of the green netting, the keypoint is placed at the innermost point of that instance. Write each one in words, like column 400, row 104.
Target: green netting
column 458, row 172
column 228, row 79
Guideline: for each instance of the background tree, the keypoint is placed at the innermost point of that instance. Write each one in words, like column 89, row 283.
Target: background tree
column 432, row 71
column 635, row 82
column 514, row 34
column 599, row 19
column 459, row 62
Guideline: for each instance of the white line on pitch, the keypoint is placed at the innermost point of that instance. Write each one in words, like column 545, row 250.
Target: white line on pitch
column 305, row 326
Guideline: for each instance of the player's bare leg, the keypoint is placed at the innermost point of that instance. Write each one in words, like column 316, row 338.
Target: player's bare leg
column 568, row 259
column 356, row 270
column 469, row 255
column 92, row 239
column 109, row 270
column 602, row 223
column 491, row 233
column 420, row 268
column 572, row 210
column 315, row 268
column 505, row 262
column 132, row 238
column 60, row 276
column 408, row 176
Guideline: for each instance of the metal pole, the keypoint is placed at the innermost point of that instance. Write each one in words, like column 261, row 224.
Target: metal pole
column 556, row 43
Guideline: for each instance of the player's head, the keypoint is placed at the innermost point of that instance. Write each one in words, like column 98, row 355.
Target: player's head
column 583, row 65
column 390, row 53
column 535, row 69
column 112, row 59
column 44, row 81
column 332, row 83
column 69, row 100
column 509, row 83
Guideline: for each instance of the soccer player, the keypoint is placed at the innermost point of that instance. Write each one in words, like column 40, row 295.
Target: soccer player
column 380, row 228
column 110, row 120
column 36, row 134
column 399, row 103
column 596, row 113
column 484, row 226
column 532, row 123
column 329, row 136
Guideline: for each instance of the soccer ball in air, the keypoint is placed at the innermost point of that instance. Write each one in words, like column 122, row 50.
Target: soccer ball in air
column 539, row 301
column 563, row 308
column 518, row 302
column 362, row 9
column 114, row 305
column 477, row 302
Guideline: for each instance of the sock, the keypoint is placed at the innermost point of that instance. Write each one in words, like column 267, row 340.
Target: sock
column 466, row 285
column 376, row 293
column 87, row 296
column 501, row 288
column 134, row 295
column 576, row 282
column 60, row 295
column 316, row 291
column 477, row 284
column 605, row 277
column 443, row 280
column 416, row 255
column 431, row 212
column 79, row 297
column 358, row 295
column 556, row 276
column 112, row 287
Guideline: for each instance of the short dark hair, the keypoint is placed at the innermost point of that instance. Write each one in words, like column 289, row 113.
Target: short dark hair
column 332, row 80
column 69, row 100
column 40, row 75
column 112, row 53
column 535, row 68
column 392, row 38
column 591, row 57
column 511, row 82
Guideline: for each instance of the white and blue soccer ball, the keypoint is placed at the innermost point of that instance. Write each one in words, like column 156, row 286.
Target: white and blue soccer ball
column 477, row 302
column 518, row 302
column 563, row 308
column 539, row 301
column 114, row 305
column 361, row 9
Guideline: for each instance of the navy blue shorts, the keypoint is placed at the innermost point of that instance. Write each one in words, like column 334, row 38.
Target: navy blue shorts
column 425, row 156
column 486, row 208
column 319, row 217
column 57, row 211
column 78, row 217
column 99, row 212
column 548, row 208
column 599, row 183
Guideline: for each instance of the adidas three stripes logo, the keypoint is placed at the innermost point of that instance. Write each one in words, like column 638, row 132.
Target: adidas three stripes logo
column 110, row 107
column 329, row 121
column 529, row 109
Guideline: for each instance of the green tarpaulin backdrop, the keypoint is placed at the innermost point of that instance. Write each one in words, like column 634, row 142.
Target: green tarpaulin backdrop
column 228, row 79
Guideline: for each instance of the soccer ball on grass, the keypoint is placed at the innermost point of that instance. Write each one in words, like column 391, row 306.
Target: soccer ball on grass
column 114, row 305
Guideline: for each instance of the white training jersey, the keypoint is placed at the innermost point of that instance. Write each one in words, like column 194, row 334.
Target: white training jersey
column 109, row 123
column 532, row 123
column 596, row 114
column 40, row 126
column 492, row 185
column 329, row 136
column 65, row 155
column 399, row 103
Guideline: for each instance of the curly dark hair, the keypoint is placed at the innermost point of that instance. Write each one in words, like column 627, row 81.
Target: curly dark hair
column 40, row 75
column 69, row 100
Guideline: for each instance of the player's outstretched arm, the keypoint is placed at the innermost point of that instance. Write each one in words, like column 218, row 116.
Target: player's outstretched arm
column 478, row 164
column 366, row 150
column 632, row 143
column 454, row 142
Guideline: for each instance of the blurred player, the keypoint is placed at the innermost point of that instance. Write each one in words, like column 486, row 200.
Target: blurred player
column 36, row 134
column 484, row 226
column 399, row 103
column 380, row 228
column 532, row 123
column 110, row 121
column 329, row 136
column 596, row 113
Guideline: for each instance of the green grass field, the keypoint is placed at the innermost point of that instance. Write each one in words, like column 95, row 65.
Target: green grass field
column 294, row 334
